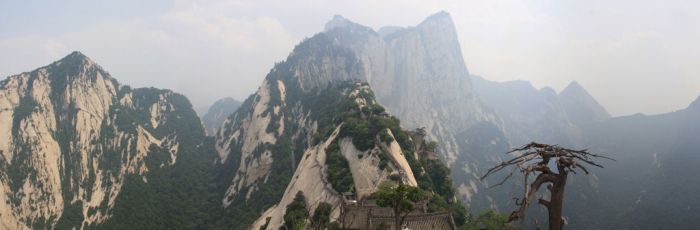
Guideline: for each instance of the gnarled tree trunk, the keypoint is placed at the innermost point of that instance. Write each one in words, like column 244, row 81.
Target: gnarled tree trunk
column 535, row 159
column 556, row 202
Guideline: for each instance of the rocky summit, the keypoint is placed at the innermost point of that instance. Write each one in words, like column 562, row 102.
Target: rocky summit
column 348, row 114
column 74, row 140
column 84, row 151
column 314, row 117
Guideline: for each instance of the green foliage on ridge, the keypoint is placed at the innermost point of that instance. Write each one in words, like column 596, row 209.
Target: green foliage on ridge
column 488, row 219
column 339, row 174
column 295, row 215
column 180, row 196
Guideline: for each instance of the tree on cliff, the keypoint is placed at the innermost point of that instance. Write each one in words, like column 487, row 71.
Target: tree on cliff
column 296, row 214
column 534, row 159
column 401, row 198
column 322, row 216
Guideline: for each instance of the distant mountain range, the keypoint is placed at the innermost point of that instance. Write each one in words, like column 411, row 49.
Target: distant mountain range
column 80, row 150
column 652, row 184
column 217, row 113
column 419, row 74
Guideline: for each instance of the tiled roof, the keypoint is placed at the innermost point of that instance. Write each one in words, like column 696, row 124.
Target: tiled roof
column 441, row 221
column 369, row 217
column 356, row 217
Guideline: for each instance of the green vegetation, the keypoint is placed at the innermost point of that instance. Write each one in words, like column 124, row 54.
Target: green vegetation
column 181, row 196
column 339, row 174
column 383, row 161
column 382, row 226
column 385, row 137
column 488, row 219
column 188, row 194
column 244, row 210
column 25, row 108
column 18, row 170
column 329, row 107
column 286, row 152
column 296, row 214
column 365, row 126
column 431, row 146
column 370, row 124
column 359, row 130
column 322, row 216
column 432, row 175
column 72, row 216
column 400, row 198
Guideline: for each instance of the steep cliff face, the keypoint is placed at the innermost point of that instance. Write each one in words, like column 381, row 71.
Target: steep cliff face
column 419, row 74
column 217, row 114
column 312, row 118
column 312, row 113
column 70, row 136
column 261, row 144
column 311, row 175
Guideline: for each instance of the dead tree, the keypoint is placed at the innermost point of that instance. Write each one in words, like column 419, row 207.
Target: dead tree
column 534, row 160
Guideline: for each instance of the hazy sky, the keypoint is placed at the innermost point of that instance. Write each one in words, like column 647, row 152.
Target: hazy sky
column 633, row 56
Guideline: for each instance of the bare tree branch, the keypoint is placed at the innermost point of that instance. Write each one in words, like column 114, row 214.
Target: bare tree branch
column 535, row 158
column 504, row 179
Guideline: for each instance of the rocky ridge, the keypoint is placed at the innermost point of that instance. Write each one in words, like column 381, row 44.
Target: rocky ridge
column 312, row 105
column 71, row 139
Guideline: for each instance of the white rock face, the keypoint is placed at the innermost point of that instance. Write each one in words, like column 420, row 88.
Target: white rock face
column 248, row 141
column 52, row 135
column 251, row 168
column 309, row 178
column 419, row 74
column 366, row 174
column 157, row 112
column 393, row 150
column 33, row 135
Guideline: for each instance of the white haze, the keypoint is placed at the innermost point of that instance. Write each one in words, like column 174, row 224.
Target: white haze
column 633, row 56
